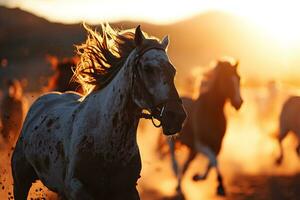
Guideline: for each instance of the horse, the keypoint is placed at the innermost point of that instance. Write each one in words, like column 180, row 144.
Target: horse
column 205, row 126
column 84, row 147
column 62, row 79
column 13, row 109
column 289, row 121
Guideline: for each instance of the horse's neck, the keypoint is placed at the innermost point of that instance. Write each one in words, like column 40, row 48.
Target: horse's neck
column 114, row 104
column 213, row 99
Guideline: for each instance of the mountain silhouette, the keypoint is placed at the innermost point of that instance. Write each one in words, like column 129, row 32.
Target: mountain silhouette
column 26, row 39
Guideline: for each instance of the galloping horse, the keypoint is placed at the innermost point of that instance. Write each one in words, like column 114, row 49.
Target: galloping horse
column 61, row 80
column 13, row 109
column 84, row 147
column 289, row 121
column 205, row 127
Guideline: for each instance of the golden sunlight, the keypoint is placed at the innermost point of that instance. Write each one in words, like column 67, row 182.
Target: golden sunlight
column 279, row 18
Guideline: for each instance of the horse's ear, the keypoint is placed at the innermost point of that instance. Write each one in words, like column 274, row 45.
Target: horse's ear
column 165, row 42
column 139, row 37
column 237, row 64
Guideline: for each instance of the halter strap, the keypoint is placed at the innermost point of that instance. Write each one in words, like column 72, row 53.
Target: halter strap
column 155, row 112
column 142, row 51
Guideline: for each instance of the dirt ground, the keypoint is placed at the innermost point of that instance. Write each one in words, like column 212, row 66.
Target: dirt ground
column 246, row 161
column 246, row 187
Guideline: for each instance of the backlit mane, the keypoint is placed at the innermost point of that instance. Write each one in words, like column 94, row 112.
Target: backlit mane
column 102, row 55
column 211, row 75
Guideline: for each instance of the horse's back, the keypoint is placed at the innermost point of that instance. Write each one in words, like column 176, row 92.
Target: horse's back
column 289, row 116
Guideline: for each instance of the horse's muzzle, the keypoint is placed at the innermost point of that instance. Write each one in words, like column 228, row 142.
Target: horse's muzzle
column 173, row 117
column 237, row 103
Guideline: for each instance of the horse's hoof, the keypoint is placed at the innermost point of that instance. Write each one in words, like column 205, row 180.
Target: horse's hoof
column 221, row 191
column 198, row 177
column 279, row 161
column 179, row 196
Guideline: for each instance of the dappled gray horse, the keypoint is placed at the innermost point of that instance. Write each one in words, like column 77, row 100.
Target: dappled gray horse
column 84, row 147
column 205, row 127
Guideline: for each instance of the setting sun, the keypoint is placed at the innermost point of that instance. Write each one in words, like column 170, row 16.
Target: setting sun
column 278, row 18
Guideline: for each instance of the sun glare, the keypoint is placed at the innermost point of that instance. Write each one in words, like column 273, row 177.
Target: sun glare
column 278, row 18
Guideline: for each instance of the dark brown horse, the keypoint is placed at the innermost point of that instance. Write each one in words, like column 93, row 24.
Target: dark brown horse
column 205, row 127
column 61, row 80
column 289, row 122
column 13, row 109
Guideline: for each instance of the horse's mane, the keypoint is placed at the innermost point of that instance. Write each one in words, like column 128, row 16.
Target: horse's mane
column 102, row 55
column 211, row 75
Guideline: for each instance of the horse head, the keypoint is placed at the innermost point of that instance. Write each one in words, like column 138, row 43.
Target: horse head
column 154, row 88
column 14, row 89
column 229, row 83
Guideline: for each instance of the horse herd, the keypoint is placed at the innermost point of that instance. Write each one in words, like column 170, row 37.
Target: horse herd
column 84, row 146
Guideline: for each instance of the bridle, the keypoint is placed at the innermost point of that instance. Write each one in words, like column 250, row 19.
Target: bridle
column 156, row 110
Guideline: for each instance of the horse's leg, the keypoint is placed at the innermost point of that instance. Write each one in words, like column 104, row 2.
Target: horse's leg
column 76, row 190
column 23, row 174
column 282, row 134
column 198, row 177
column 212, row 163
column 280, row 157
column 175, row 166
column 191, row 157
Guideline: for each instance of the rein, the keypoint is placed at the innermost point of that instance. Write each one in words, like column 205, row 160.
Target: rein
column 152, row 117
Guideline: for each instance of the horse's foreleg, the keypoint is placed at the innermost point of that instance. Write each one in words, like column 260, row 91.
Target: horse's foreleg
column 23, row 174
column 76, row 190
column 280, row 157
column 279, row 138
column 213, row 162
column 198, row 177
column 191, row 157
column 175, row 166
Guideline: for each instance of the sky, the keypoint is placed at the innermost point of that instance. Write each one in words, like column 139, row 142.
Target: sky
column 279, row 17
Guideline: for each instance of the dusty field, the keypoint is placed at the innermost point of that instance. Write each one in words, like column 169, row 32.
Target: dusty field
column 246, row 160
column 246, row 187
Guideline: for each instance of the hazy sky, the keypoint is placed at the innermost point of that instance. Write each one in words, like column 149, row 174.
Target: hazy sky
column 280, row 17
column 157, row 11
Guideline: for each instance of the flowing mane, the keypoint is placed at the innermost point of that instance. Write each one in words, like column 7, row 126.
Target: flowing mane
column 211, row 75
column 102, row 55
